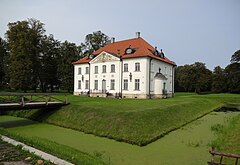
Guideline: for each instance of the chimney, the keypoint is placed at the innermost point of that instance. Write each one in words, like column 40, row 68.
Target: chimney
column 137, row 34
column 112, row 40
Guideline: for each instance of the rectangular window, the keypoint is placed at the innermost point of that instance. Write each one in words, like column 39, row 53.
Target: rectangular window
column 137, row 66
column 137, row 84
column 125, row 84
column 79, row 70
column 79, row 84
column 112, row 85
column 96, row 70
column 87, row 70
column 86, row 84
column 96, row 84
column 112, row 68
column 104, row 69
column 125, row 69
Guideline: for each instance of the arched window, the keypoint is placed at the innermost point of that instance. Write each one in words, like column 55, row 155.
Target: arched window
column 112, row 68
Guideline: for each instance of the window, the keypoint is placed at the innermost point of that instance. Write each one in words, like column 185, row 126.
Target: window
column 96, row 84
column 104, row 69
column 87, row 70
column 137, row 66
column 137, row 84
column 79, row 84
column 96, row 70
column 125, row 69
column 112, row 68
column 79, row 70
column 125, row 84
column 86, row 84
column 112, row 85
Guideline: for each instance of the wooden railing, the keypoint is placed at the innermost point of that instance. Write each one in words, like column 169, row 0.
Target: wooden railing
column 31, row 100
column 222, row 155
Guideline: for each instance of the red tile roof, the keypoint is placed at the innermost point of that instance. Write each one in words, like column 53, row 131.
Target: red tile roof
column 143, row 49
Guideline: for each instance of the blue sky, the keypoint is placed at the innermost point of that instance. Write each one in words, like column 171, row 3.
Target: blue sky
column 207, row 31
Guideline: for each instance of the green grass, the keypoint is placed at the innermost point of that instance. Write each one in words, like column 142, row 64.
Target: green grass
column 228, row 138
column 133, row 121
column 59, row 150
column 187, row 145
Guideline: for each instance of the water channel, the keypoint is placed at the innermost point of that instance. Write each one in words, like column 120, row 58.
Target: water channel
column 188, row 145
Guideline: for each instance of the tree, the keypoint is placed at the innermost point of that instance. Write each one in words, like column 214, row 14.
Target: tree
column 194, row 78
column 24, row 45
column 202, row 77
column 93, row 42
column 233, row 77
column 69, row 53
column 219, row 80
column 50, row 52
column 3, row 61
column 236, row 57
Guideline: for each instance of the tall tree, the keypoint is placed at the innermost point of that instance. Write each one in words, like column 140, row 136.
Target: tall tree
column 50, row 50
column 219, row 80
column 24, row 43
column 93, row 42
column 3, row 61
column 69, row 53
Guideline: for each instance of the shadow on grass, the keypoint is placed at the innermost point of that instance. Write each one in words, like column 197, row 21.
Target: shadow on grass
column 42, row 114
column 38, row 115
column 16, row 123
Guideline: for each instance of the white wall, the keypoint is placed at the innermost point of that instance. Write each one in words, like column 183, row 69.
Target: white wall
column 166, row 70
column 143, row 75
column 78, row 77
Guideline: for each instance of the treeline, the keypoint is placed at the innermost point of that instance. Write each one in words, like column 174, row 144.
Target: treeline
column 197, row 78
column 32, row 60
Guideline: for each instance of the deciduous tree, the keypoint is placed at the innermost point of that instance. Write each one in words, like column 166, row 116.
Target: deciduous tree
column 69, row 53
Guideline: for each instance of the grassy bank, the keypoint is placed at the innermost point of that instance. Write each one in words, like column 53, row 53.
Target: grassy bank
column 188, row 145
column 131, row 120
column 228, row 137
column 59, row 150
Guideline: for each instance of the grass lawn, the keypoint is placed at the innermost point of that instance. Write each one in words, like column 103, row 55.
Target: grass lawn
column 131, row 120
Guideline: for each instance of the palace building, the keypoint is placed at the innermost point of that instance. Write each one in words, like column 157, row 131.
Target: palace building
column 128, row 69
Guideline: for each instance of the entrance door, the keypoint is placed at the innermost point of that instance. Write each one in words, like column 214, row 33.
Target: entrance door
column 104, row 86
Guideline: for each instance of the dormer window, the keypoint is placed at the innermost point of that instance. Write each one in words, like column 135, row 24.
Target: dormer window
column 130, row 50
column 91, row 56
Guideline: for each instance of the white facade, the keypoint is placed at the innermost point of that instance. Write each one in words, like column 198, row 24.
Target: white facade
column 108, row 76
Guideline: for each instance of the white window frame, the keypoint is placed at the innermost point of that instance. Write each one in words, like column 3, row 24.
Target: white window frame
column 86, row 84
column 87, row 70
column 96, row 84
column 125, row 84
column 137, row 67
column 113, row 68
column 79, row 70
column 96, row 69
column 125, row 67
column 79, row 84
column 137, row 85
column 112, row 84
column 104, row 69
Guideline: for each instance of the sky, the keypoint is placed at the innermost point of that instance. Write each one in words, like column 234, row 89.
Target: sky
column 188, row 31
